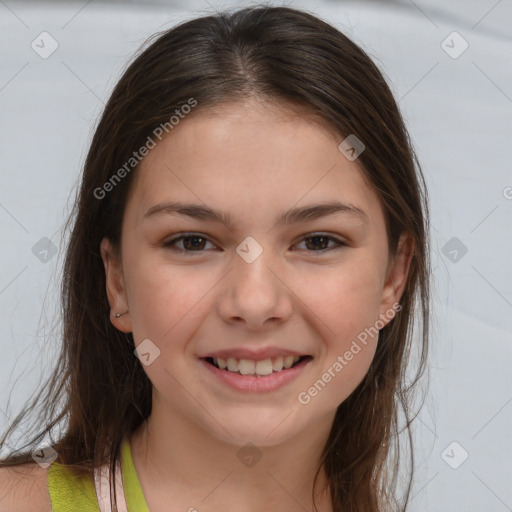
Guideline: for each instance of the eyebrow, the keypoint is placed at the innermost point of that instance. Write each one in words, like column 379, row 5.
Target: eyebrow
column 293, row 215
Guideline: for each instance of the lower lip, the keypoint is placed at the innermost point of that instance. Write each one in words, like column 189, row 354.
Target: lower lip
column 257, row 384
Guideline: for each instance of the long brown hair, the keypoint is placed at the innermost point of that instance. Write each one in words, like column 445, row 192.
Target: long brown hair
column 281, row 54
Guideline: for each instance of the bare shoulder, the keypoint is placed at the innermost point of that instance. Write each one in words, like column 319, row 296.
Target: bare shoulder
column 24, row 488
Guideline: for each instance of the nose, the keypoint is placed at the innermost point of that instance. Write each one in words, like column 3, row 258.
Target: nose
column 254, row 295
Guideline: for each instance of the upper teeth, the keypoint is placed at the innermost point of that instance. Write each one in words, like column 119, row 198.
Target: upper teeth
column 249, row 367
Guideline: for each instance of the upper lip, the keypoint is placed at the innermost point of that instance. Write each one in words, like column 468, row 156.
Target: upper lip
column 257, row 355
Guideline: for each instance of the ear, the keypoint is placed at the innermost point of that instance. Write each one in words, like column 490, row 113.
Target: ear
column 116, row 292
column 396, row 278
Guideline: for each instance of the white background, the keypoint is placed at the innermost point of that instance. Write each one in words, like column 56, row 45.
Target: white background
column 459, row 114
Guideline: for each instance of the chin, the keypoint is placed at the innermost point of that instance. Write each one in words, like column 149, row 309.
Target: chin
column 258, row 432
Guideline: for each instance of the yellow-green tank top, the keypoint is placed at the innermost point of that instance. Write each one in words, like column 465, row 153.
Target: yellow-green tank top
column 85, row 494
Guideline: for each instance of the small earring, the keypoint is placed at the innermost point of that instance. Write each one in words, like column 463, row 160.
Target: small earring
column 120, row 314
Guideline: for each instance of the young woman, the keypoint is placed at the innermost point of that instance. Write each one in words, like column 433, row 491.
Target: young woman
column 248, row 251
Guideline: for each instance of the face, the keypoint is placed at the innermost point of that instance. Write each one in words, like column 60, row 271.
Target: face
column 258, row 264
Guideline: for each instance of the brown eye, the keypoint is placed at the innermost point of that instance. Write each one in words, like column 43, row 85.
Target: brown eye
column 319, row 243
column 191, row 243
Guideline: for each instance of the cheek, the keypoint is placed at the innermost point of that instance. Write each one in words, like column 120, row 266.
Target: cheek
column 164, row 298
column 345, row 298
column 345, row 304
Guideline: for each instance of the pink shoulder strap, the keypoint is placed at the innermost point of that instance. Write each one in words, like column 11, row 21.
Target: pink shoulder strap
column 103, row 489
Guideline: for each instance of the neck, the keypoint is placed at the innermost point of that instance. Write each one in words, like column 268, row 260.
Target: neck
column 192, row 467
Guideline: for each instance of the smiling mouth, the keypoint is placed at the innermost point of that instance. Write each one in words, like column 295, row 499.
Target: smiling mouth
column 261, row 368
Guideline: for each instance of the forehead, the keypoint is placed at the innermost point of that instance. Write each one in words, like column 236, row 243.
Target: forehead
column 250, row 156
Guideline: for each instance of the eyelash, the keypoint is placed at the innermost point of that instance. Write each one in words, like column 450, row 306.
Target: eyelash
column 171, row 243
